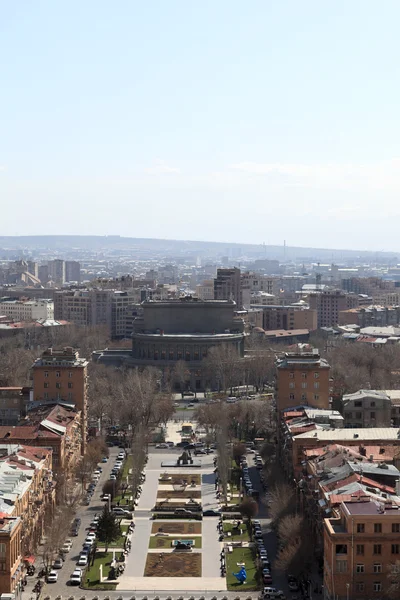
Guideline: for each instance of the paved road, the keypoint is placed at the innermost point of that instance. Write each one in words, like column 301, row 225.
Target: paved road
column 86, row 513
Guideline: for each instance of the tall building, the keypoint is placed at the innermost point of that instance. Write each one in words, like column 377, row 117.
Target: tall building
column 72, row 271
column 57, row 271
column 302, row 377
column 205, row 290
column 287, row 317
column 366, row 408
column 43, row 274
column 227, row 285
column 361, row 549
column 328, row 304
column 61, row 375
column 84, row 307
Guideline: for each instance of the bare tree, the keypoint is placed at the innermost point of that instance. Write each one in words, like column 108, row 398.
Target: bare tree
column 282, row 501
column 181, row 375
column 289, row 528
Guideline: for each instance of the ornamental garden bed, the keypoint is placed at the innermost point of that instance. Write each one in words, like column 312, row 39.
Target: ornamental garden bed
column 166, row 541
column 173, row 564
column 178, row 494
column 177, row 527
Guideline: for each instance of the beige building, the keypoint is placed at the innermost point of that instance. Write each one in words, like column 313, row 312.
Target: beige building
column 84, row 307
column 328, row 305
column 205, row 290
column 366, row 408
column 27, row 310
column 288, row 317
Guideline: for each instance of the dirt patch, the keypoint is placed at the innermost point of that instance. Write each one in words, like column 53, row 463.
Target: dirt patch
column 188, row 477
column 177, row 494
column 178, row 527
column 173, row 564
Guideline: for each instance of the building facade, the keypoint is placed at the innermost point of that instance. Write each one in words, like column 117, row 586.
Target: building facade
column 302, row 377
column 84, row 307
column 61, row 375
column 27, row 310
column 361, row 547
column 72, row 271
column 57, row 271
column 288, row 317
column 227, row 285
column 366, row 408
column 328, row 305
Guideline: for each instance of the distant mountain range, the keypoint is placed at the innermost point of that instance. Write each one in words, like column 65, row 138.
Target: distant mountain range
column 138, row 246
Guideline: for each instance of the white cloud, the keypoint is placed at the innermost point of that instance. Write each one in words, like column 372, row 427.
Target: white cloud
column 161, row 168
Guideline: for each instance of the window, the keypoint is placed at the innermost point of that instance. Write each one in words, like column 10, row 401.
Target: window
column 377, row 586
column 291, row 375
column 341, row 548
column 395, row 548
column 360, row 587
column 377, row 527
column 316, row 375
column 46, row 373
column 304, row 375
column 358, row 403
column 316, row 397
column 358, row 415
column 70, row 374
column 304, row 396
column 360, row 528
column 2, row 549
column 341, row 566
column 359, row 568
column 46, row 385
column 291, row 385
column 395, row 527
column 304, row 385
column 372, row 404
column 58, row 385
column 70, row 385
column 372, row 415
column 291, row 396
column 377, row 568
column 316, row 385
column 377, row 549
column 46, row 395
column 58, row 373
column 360, row 549
column 69, row 395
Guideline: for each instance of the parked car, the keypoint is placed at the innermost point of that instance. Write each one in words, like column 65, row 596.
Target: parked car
column 162, row 445
column 104, row 459
column 82, row 560
column 76, row 577
column 183, row 512
column 272, row 592
column 105, row 497
column 52, row 576
column 113, row 477
column 211, row 513
column 58, row 563
column 121, row 512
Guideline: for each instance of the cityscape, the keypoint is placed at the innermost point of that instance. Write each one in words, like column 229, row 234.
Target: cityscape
column 199, row 300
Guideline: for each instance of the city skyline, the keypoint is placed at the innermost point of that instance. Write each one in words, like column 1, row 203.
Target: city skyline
column 202, row 122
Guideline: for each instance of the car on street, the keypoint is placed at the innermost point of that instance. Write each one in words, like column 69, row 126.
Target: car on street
column 183, row 511
column 82, row 560
column 211, row 513
column 267, row 579
column 162, row 445
column 198, row 451
column 293, row 586
column 66, row 547
column 113, row 477
column 121, row 512
column 104, row 459
column 76, row 577
column 58, row 563
column 52, row 576
column 272, row 592
column 105, row 497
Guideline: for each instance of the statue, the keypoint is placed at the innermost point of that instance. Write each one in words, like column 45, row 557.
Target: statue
column 241, row 576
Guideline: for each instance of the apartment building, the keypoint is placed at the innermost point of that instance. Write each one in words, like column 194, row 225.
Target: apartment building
column 329, row 304
column 84, row 307
column 56, row 271
column 366, row 408
column 61, row 375
column 13, row 402
column 205, row 290
column 361, row 547
column 302, row 377
column 26, row 501
column 27, row 310
column 288, row 317
column 227, row 285
column 72, row 271
column 123, row 304
column 370, row 316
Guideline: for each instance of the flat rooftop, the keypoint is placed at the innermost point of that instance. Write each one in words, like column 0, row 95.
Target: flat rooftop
column 360, row 435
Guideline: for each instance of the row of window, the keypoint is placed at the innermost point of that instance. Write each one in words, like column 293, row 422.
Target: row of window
column 378, row 527
column 58, row 374
column 303, row 375
column 58, row 385
column 59, row 397
column 377, row 548
column 303, row 397
column 304, row 385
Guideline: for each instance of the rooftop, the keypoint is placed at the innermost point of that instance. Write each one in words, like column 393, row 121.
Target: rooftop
column 361, row 435
column 366, row 506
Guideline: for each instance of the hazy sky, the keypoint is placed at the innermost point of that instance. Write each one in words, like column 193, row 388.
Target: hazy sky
column 220, row 120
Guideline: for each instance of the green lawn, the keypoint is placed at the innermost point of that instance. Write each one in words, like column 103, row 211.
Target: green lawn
column 240, row 555
column 91, row 580
column 119, row 543
column 244, row 537
column 160, row 541
column 127, row 465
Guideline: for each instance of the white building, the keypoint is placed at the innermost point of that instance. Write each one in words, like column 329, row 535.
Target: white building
column 27, row 310
column 205, row 290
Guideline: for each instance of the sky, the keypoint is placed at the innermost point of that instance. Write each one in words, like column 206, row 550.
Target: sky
column 220, row 120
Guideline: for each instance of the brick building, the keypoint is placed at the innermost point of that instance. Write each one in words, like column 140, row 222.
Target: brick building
column 61, row 375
